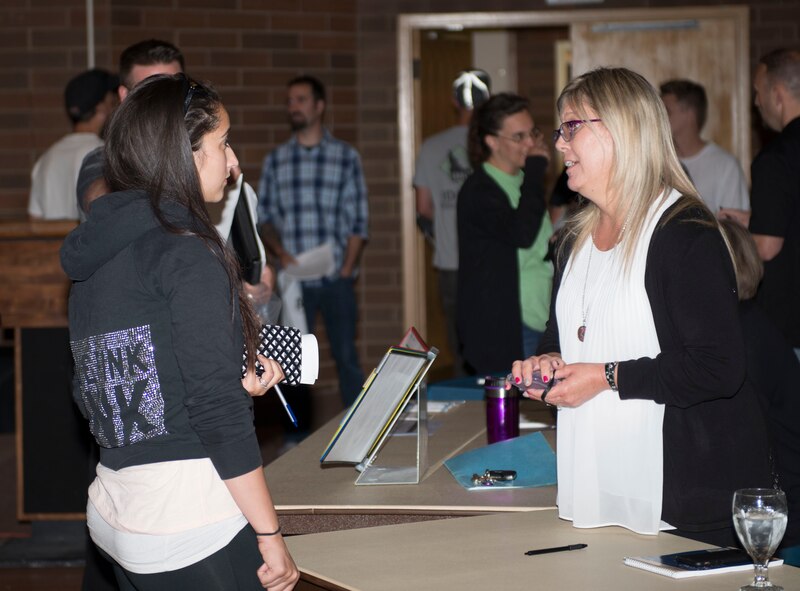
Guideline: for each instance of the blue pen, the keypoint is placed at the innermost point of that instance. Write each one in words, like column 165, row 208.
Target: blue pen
column 286, row 405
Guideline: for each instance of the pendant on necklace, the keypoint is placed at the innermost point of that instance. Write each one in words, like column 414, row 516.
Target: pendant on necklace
column 581, row 332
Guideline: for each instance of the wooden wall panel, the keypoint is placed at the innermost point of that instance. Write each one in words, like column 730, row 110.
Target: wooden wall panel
column 702, row 50
column 34, row 288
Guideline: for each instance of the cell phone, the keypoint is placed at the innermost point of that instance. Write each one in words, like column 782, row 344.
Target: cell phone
column 714, row 558
column 536, row 382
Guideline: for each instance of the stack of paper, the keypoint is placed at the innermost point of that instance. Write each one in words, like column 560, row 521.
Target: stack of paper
column 668, row 565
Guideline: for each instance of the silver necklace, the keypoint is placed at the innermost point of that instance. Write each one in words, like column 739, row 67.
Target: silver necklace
column 582, row 327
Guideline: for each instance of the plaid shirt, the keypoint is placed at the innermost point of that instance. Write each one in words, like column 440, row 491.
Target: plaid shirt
column 314, row 195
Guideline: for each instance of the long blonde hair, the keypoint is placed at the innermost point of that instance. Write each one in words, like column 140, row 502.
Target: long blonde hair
column 644, row 164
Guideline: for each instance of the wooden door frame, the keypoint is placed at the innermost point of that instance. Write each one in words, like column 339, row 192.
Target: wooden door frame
column 408, row 29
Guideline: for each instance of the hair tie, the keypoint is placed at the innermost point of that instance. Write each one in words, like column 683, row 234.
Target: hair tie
column 273, row 533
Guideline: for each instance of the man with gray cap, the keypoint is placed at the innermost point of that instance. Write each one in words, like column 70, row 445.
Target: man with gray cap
column 442, row 166
column 89, row 99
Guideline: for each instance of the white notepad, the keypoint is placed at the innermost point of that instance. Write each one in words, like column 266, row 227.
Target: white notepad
column 667, row 565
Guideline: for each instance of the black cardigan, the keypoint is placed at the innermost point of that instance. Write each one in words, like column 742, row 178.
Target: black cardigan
column 774, row 372
column 714, row 432
column 490, row 232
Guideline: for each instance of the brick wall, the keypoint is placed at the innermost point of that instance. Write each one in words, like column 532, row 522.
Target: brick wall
column 42, row 45
column 249, row 48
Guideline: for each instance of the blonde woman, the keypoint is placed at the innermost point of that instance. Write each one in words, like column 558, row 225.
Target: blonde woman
column 643, row 351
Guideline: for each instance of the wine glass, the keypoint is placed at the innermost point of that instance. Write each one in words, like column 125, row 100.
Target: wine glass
column 760, row 516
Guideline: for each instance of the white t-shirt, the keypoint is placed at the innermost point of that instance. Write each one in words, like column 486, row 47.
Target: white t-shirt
column 55, row 176
column 442, row 167
column 719, row 178
column 162, row 516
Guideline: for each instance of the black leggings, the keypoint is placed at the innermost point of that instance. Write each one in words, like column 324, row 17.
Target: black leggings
column 231, row 568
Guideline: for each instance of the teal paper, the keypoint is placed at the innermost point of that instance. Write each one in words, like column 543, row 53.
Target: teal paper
column 530, row 455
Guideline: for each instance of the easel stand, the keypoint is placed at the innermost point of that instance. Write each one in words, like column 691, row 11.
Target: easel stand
column 370, row 474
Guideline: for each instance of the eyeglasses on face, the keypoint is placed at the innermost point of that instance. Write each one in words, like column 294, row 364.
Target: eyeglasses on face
column 568, row 129
column 519, row 137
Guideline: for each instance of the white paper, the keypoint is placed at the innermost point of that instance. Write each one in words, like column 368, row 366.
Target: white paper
column 293, row 313
column 434, row 406
column 313, row 264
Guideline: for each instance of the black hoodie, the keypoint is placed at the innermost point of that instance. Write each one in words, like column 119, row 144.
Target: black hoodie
column 156, row 340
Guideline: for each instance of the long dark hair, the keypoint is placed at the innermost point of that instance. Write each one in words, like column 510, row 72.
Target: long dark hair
column 488, row 120
column 149, row 146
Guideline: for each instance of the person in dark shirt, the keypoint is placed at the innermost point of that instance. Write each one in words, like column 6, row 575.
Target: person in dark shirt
column 775, row 194
column 774, row 372
column 158, row 320
column 503, row 231
column 136, row 63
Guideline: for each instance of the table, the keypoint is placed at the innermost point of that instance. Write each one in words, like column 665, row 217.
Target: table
column 310, row 498
column 487, row 552
column 463, row 388
column 33, row 303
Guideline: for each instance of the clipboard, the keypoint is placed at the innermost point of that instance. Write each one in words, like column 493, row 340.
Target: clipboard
column 368, row 423
column 245, row 242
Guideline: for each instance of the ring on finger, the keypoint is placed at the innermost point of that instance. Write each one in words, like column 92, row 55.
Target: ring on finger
column 262, row 382
column 544, row 395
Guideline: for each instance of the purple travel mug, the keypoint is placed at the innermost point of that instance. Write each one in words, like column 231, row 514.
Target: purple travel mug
column 502, row 410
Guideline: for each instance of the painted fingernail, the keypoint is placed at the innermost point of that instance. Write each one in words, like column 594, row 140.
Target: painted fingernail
column 517, row 380
column 545, row 379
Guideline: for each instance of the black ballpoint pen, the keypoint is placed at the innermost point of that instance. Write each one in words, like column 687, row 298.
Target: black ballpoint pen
column 557, row 549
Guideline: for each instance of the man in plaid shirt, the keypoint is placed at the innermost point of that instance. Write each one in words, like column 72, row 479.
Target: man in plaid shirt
column 312, row 192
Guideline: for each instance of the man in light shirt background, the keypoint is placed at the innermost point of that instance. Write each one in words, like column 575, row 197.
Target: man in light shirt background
column 89, row 99
column 716, row 173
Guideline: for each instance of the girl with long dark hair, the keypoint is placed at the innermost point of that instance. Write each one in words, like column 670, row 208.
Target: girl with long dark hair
column 158, row 323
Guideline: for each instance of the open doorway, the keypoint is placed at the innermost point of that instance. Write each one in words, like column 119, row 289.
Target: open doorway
column 524, row 61
column 703, row 43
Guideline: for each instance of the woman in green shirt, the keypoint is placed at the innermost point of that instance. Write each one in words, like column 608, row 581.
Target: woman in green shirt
column 503, row 230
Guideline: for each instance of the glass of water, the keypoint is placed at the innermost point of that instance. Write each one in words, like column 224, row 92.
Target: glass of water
column 760, row 516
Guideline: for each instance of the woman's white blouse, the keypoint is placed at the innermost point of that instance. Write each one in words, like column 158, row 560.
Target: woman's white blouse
column 610, row 460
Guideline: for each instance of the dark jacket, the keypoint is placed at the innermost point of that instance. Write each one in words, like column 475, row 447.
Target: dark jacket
column 156, row 340
column 490, row 232
column 714, row 430
column 774, row 372
column 775, row 201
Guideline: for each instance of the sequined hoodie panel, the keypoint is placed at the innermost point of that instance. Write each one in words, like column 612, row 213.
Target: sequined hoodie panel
column 156, row 341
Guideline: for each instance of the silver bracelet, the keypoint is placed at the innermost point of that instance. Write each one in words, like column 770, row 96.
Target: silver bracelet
column 610, row 367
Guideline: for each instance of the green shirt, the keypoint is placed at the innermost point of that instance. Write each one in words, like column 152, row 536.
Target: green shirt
column 535, row 274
